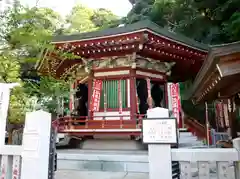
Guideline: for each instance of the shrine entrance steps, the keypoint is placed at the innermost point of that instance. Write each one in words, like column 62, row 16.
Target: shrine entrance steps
column 111, row 144
column 132, row 163
column 114, row 155
column 188, row 140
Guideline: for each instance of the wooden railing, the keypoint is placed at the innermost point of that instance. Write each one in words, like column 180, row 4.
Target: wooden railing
column 83, row 122
column 197, row 128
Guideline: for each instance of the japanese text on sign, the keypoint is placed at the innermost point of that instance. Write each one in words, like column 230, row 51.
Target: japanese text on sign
column 95, row 102
column 160, row 131
column 175, row 101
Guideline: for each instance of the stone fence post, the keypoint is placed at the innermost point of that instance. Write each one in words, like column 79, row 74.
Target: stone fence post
column 35, row 146
column 236, row 145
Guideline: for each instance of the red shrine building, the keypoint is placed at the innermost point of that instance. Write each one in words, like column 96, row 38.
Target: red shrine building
column 117, row 74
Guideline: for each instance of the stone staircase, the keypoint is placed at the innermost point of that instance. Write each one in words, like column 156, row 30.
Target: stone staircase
column 108, row 159
column 188, row 140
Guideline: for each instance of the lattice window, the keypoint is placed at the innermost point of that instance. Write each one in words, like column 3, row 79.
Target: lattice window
column 110, row 87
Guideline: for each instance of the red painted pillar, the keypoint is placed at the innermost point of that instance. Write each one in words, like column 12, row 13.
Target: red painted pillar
column 133, row 91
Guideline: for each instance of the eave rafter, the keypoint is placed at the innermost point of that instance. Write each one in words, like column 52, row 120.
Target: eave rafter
column 221, row 79
column 101, row 45
column 162, row 44
column 209, row 87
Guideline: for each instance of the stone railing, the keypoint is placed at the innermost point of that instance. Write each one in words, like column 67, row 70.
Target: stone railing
column 10, row 162
column 202, row 163
column 22, row 161
column 207, row 163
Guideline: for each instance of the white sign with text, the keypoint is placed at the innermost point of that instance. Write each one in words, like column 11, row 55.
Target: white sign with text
column 160, row 131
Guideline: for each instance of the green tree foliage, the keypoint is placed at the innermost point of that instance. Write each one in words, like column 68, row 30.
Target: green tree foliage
column 24, row 33
column 104, row 18
column 141, row 9
column 207, row 19
column 232, row 27
column 210, row 22
column 83, row 19
column 9, row 72
column 79, row 19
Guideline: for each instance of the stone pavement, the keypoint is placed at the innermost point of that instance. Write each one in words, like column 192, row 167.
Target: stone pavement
column 71, row 174
column 64, row 174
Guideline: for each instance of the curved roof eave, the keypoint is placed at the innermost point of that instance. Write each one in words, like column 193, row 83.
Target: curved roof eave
column 132, row 28
column 215, row 51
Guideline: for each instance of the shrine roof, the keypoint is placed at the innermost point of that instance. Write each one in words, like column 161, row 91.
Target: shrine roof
column 143, row 38
column 210, row 72
column 145, row 25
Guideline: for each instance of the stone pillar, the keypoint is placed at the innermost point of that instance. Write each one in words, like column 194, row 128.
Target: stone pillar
column 4, row 104
column 159, row 155
column 35, row 147
column 236, row 145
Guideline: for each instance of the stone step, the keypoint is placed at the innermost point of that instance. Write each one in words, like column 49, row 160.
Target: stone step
column 103, row 160
column 65, row 174
column 186, row 139
column 111, row 144
column 97, row 161
column 114, row 143
column 185, row 134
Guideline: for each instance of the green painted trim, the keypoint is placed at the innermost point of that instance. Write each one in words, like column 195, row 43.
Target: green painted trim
column 111, row 88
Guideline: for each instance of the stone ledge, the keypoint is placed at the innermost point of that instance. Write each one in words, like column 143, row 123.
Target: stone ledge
column 111, row 166
column 103, row 157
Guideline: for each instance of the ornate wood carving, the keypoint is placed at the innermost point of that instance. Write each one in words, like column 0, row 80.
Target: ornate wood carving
column 133, row 62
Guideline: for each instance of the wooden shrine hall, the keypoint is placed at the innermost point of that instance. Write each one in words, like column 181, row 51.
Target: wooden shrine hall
column 117, row 74
column 219, row 80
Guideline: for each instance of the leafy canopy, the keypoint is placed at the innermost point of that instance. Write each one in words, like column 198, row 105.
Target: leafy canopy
column 24, row 33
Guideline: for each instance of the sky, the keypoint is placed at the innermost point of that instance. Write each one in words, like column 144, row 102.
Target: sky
column 118, row 7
